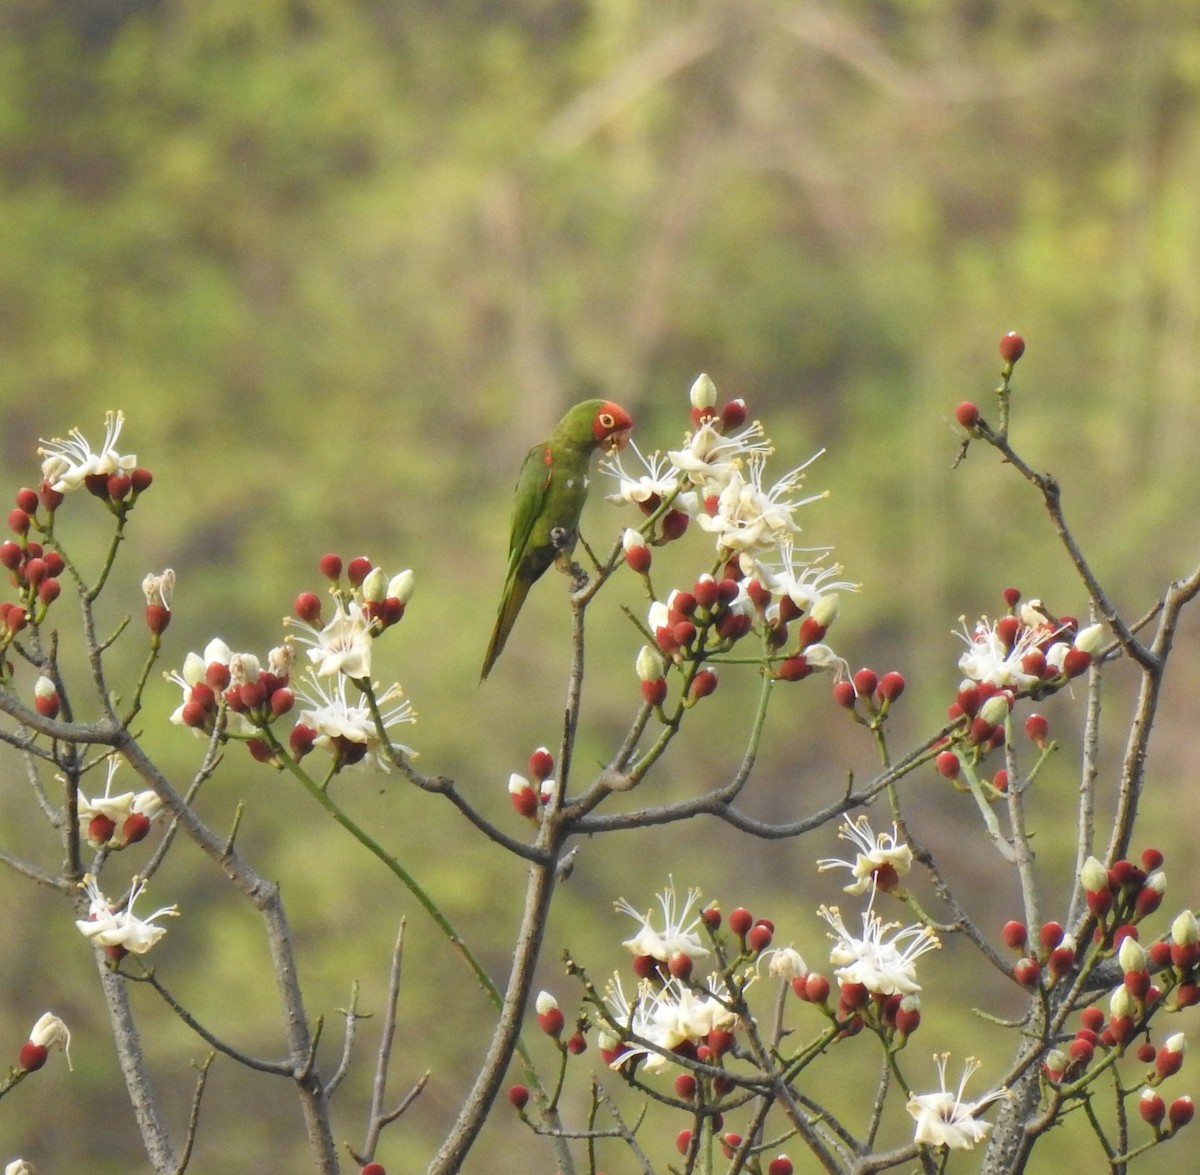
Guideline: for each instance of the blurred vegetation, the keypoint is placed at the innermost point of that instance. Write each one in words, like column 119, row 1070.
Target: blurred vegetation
column 342, row 261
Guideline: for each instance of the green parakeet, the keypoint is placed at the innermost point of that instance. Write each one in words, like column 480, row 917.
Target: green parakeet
column 548, row 501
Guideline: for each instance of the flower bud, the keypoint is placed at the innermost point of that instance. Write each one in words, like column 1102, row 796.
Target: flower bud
column 549, row 1014
column 891, row 686
column 1181, row 1112
column 967, row 414
column 703, row 394
column 1012, row 347
column 1169, row 1059
column 740, row 921
column 518, row 1096
column 1027, row 971
column 1015, row 935
column 402, row 585
column 1151, row 1106
column 373, row 587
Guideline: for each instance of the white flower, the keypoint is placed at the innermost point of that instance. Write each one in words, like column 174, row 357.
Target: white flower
column 875, row 851
column 987, row 658
column 883, row 965
column 785, row 963
column 655, row 482
column 343, row 645
column 749, row 518
column 663, row 1019
column 20, row 1167
column 347, row 729
column 944, row 1119
column 678, row 934
column 116, row 808
column 121, row 928
column 797, row 573
column 709, row 459
column 50, row 1031
column 67, row 462
column 158, row 589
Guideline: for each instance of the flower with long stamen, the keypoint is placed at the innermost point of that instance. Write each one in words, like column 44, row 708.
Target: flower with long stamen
column 709, row 458
column 797, row 573
column 882, row 961
column 121, row 928
column 946, row 1119
column 662, row 1019
column 876, row 851
column 348, row 730
column 989, row 658
column 657, row 481
column 69, row 461
column 678, row 932
column 747, row 518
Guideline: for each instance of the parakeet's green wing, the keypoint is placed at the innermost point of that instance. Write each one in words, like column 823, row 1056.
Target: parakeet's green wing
column 529, row 500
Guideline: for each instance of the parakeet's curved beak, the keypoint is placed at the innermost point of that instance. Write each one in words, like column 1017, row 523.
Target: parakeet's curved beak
column 617, row 440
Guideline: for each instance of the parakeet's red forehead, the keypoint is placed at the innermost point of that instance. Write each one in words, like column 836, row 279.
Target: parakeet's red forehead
column 610, row 418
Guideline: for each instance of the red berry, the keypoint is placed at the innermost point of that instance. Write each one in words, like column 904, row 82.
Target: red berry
column 759, row 937
column 18, row 522
column 865, row 681
column 1027, row 972
column 140, row 478
column 891, row 686
column 816, row 988
column 683, row 1140
column 1036, row 729
column 844, row 695
column 551, row 1021
column 947, row 764
column 27, row 500
column 685, row 1087
column 330, row 566
column 740, row 921
column 1051, row 934
column 358, row 569
column 1015, row 935
column 307, row 606
column 1012, row 347
column 680, row 965
column 967, row 414
column 781, row 1165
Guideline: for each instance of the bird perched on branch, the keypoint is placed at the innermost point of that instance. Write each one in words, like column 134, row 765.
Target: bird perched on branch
column 547, row 503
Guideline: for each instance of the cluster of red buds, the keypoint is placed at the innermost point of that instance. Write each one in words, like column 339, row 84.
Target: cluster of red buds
column 1124, row 893
column 1026, row 653
column 383, row 601
column 868, row 696
column 708, row 619
column 1055, row 951
column 256, row 693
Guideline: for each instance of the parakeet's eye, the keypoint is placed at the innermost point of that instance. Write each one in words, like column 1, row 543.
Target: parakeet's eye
column 607, row 420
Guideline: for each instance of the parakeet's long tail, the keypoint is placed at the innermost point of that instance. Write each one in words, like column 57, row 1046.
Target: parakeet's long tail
column 510, row 606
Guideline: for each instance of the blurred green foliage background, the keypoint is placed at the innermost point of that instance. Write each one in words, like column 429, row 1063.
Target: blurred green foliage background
column 342, row 261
